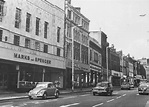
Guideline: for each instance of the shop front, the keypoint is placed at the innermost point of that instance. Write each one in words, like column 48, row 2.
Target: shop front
column 96, row 74
column 21, row 70
column 81, row 74
column 116, row 78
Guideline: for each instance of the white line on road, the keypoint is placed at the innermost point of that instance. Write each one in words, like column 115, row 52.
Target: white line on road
column 110, row 100
column 98, row 105
column 70, row 105
column 123, row 94
column 85, row 95
column 115, row 93
column 118, row 97
column 70, row 97
column 137, row 94
column 147, row 104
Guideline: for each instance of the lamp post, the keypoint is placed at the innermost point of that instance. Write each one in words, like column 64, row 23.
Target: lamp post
column 73, row 54
column 72, row 58
column 107, row 62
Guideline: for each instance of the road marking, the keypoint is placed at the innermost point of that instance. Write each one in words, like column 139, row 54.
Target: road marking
column 147, row 104
column 118, row 97
column 70, row 105
column 115, row 93
column 123, row 94
column 110, row 100
column 85, row 95
column 137, row 94
column 70, row 97
column 98, row 105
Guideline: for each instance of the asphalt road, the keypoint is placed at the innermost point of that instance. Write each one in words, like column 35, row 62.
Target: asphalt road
column 122, row 98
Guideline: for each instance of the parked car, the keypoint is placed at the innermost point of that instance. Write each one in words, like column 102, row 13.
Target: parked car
column 125, row 85
column 43, row 90
column 103, row 88
column 143, row 88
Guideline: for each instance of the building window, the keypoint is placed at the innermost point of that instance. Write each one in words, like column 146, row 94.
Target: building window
column 37, row 46
column 58, row 51
column 45, row 48
column 28, row 21
column 18, row 18
column 58, row 34
column 16, row 40
column 45, row 29
column 1, row 35
column 1, row 8
column 27, row 43
column 95, row 57
column 37, row 26
column 69, row 14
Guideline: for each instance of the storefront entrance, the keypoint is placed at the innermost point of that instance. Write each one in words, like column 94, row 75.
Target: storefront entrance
column 8, row 76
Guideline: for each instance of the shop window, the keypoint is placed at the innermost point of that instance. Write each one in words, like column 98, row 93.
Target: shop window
column 58, row 34
column 45, row 29
column 37, row 26
column 58, row 51
column 45, row 48
column 27, row 43
column 37, row 46
column 16, row 40
column 18, row 18
column 1, row 35
column 28, row 21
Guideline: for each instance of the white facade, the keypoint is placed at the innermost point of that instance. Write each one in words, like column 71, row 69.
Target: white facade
column 96, row 35
column 31, row 42
column 45, row 11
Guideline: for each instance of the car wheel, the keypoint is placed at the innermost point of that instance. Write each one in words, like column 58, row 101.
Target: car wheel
column 110, row 93
column 44, row 96
column 94, row 94
column 56, row 94
column 30, row 97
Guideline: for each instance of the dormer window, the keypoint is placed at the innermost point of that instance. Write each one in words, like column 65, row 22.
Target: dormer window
column 2, row 7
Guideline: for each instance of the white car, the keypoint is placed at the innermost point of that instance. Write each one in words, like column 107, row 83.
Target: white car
column 43, row 90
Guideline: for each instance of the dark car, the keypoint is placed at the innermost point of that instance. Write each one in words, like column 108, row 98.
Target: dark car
column 43, row 90
column 143, row 88
column 103, row 88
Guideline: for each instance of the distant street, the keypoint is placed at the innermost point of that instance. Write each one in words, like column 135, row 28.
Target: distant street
column 122, row 98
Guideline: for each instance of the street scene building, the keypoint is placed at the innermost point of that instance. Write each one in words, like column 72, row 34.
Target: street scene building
column 95, row 61
column 31, row 42
column 50, row 41
column 76, row 46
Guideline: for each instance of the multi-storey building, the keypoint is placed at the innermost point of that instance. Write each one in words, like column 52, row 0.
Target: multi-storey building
column 31, row 42
column 95, row 60
column 114, row 66
column 76, row 33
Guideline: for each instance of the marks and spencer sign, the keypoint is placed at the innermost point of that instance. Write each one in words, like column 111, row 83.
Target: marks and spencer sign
column 33, row 59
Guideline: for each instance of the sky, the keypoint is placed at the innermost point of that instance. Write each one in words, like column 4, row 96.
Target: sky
column 125, row 22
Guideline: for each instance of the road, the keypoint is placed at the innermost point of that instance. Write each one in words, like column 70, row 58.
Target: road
column 121, row 98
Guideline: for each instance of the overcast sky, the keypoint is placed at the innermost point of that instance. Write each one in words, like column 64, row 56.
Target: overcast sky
column 121, row 21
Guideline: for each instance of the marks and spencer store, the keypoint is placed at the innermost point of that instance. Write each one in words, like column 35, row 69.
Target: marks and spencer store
column 22, row 68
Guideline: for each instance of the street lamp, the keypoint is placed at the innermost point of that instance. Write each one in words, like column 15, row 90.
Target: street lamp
column 73, row 54
column 107, row 61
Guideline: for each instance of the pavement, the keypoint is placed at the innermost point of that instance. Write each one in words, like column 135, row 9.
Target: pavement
column 9, row 95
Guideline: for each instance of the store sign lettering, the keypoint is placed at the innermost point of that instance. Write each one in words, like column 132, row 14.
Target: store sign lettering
column 29, row 58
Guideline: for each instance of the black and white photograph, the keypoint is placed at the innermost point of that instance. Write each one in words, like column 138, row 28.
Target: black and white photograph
column 74, row 53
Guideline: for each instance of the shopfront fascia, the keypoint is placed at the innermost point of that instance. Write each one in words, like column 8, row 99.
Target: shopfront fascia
column 115, row 77
column 81, row 73
column 96, row 74
column 33, row 67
